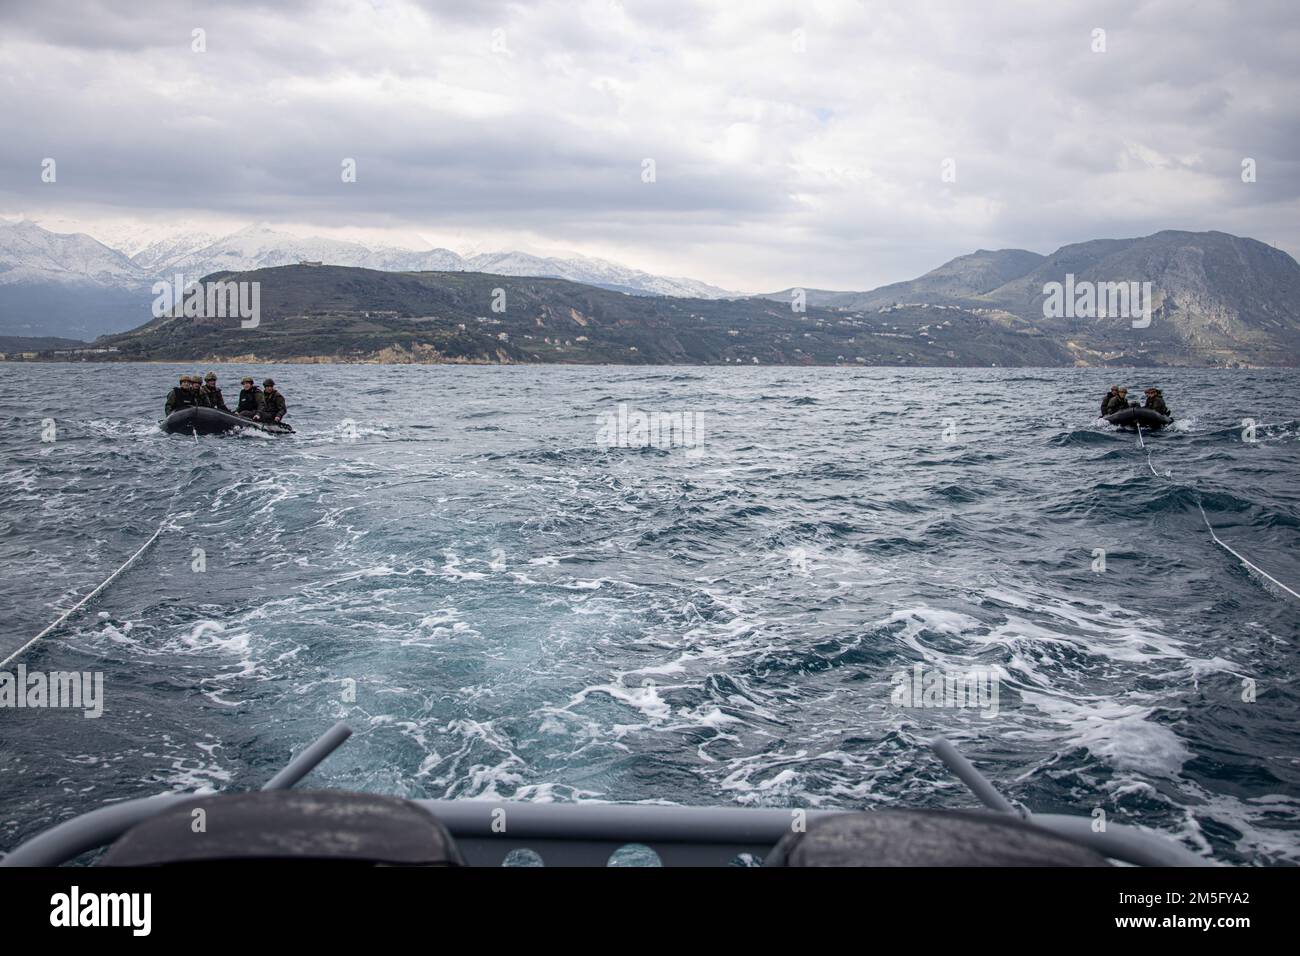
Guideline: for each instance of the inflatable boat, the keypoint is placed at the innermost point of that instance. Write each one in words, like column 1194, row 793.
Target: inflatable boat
column 277, row 823
column 213, row 421
column 1135, row 415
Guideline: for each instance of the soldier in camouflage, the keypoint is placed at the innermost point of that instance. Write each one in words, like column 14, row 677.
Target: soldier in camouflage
column 250, row 399
column 210, row 393
column 1156, row 402
column 273, row 406
column 1105, row 402
column 183, row 395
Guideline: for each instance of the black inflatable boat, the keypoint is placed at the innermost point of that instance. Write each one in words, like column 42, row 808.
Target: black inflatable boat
column 213, row 421
column 1134, row 416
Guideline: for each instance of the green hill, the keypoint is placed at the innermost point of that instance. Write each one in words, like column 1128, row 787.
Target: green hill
column 1216, row 300
column 337, row 314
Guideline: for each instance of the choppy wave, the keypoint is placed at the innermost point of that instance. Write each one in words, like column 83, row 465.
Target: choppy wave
column 500, row 605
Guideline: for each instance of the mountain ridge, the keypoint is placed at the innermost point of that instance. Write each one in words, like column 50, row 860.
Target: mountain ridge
column 1214, row 299
column 345, row 314
column 46, row 271
column 972, row 273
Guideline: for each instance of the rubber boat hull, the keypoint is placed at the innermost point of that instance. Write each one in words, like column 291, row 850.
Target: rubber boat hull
column 213, row 421
column 1133, row 417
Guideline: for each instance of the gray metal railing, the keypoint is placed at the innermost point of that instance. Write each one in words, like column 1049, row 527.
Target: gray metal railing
column 586, row 834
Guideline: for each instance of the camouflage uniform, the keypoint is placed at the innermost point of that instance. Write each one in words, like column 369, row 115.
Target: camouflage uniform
column 1156, row 403
column 210, row 396
column 181, row 397
column 1117, row 404
column 273, row 407
column 250, row 402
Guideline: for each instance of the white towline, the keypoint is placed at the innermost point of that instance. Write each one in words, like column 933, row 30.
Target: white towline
column 1148, row 451
column 1238, row 556
column 89, row 597
column 1232, row 551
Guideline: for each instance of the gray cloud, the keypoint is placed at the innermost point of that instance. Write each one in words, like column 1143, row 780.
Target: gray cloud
column 774, row 167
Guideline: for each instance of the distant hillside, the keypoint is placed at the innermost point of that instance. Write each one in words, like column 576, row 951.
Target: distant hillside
column 57, row 285
column 19, row 343
column 958, row 279
column 54, row 283
column 333, row 314
column 1215, row 296
column 1217, row 299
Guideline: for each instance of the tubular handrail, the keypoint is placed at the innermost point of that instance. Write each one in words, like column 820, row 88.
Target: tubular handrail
column 516, row 821
column 89, row 831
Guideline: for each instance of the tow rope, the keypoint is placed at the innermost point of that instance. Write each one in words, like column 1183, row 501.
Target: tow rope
column 93, row 594
column 1234, row 552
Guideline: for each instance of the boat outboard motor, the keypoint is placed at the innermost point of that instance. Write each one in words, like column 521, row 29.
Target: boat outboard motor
column 928, row 838
column 296, row 826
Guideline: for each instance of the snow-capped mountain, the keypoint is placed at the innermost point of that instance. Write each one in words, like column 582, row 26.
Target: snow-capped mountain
column 262, row 247
column 29, row 253
column 160, row 253
column 601, row 272
column 67, row 285
column 72, row 284
column 132, row 237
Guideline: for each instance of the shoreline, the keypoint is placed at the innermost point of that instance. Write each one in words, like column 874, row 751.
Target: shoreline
column 254, row 360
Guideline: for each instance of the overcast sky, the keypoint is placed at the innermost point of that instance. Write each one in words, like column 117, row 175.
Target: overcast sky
column 782, row 158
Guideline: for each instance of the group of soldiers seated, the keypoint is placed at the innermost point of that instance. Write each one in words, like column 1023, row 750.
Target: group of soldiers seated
column 263, row 404
column 1116, row 400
